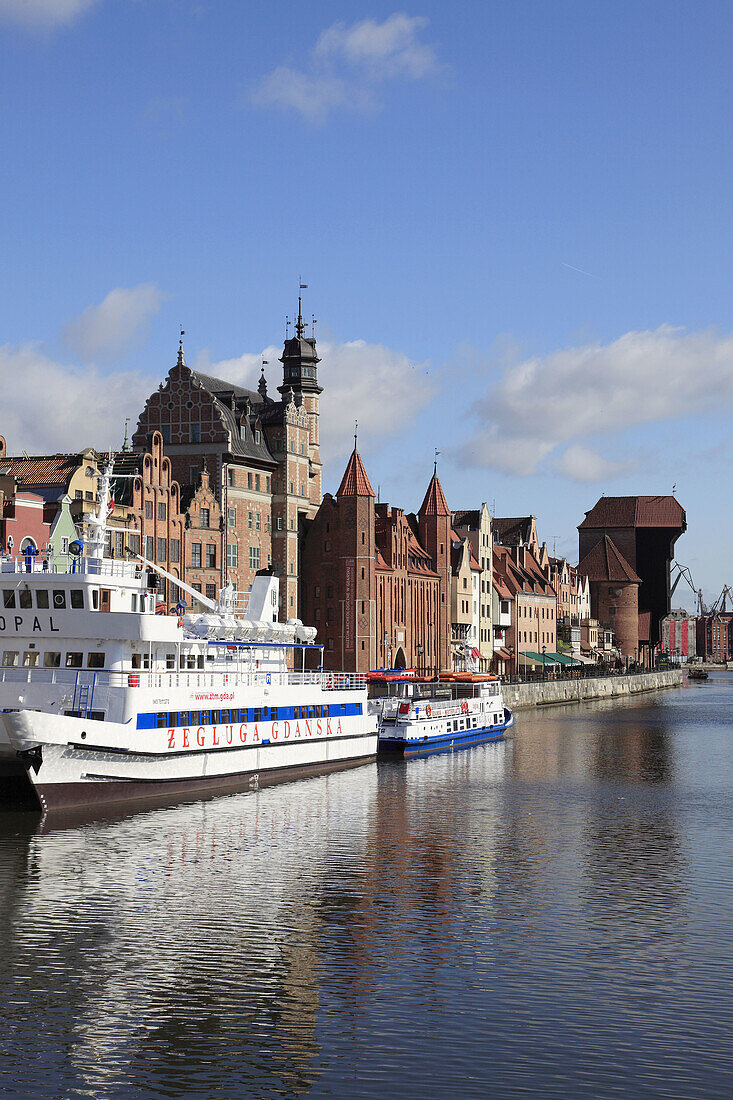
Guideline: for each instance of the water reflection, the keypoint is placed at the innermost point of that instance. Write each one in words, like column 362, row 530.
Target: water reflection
column 359, row 933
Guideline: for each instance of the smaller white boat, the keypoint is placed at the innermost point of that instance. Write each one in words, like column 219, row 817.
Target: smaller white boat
column 420, row 718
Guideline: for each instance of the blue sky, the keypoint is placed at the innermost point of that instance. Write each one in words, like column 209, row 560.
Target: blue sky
column 514, row 221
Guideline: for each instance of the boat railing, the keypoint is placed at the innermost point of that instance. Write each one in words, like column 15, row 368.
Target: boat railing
column 174, row 678
column 96, row 567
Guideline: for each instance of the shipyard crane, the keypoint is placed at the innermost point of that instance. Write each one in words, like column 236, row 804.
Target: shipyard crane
column 720, row 604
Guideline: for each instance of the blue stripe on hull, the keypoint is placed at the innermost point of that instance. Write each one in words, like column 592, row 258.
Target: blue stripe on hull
column 447, row 743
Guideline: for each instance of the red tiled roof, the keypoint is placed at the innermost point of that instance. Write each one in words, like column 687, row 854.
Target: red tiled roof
column 435, row 503
column 605, row 562
column 42, row 469
column 355, row 482
column 635, row 512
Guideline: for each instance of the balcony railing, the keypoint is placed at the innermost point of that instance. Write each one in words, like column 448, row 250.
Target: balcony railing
column 200, row 681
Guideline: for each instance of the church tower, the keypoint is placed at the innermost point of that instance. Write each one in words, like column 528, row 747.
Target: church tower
column 434, row 519
column 300, row 382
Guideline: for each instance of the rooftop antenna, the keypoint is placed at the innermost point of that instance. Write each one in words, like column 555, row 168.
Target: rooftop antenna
column 493, row 508
column 554, row 544
column 313, row 326
column 299, row 326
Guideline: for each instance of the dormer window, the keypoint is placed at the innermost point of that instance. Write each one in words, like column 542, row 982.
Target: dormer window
column 258, row 436
column 242, row 430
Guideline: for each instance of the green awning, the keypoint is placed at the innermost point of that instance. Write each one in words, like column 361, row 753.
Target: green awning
column 563, row 659
column 537, row 658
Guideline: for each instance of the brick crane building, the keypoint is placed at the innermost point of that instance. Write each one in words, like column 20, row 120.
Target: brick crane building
column 642, row 531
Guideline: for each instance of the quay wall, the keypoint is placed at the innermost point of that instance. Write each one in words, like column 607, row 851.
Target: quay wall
column 574, row 691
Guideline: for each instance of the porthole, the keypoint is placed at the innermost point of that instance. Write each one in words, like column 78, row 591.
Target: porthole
column 83, row 734
column 58, row 600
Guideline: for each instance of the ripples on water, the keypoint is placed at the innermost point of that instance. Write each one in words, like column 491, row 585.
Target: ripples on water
column 548, row 917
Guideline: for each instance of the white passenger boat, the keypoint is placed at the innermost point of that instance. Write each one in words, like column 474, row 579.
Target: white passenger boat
column 106, row 702
column 417, row 718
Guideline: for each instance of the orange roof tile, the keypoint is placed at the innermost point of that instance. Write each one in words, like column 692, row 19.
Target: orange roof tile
column 355, row 482
column 435, row 503
column 605, row 562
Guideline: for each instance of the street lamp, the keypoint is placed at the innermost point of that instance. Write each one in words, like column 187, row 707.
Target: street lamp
column 543, row 661
column 420, row 652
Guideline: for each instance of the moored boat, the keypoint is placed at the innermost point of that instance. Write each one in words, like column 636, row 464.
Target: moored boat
column 421, row 718
column 106, row 701
column 696, row 674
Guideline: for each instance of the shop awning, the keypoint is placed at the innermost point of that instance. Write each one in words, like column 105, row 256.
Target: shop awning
column 537, row 659
column 563, row 659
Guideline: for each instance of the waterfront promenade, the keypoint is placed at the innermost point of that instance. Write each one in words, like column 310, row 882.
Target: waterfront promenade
column 547, row 692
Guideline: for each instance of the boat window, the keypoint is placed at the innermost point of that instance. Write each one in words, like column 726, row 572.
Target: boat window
column 162, row 721
column 273, row 714
column 42, row 599
column 258, row 714
column 191, row 661
column 184, row 718
column 200, row 661
column 455, row 726
column 25, row 598
column 205, row 718
column 30, row 658
column 95, row 660
column 10, row 658
column 74, row 660
column 325, row 711
column 146, row 660
column 52, row 660
column 170, row 660
column 77, row 599
column 95, row 599
column 59, row 598
column 9, row 597
column 133, row 602
column 136, row 660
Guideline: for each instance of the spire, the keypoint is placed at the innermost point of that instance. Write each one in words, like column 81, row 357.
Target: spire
column 299, row 324
column 355, row 482
column 181, row 360
column 435, row 503
column 262, row 384
column 126, row 445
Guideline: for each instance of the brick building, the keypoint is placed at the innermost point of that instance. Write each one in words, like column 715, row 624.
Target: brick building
column 262, row 457
column 643, row 531
column 475, row 525
column 679, row 635
column 376, row 581
column 714, row 637
column 614, row 590
column 532, row 626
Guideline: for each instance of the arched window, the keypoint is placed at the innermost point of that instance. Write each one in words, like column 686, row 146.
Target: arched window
column 27, row 541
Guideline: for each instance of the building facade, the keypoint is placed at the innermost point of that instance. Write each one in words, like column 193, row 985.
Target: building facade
column 679, row 636
column 533, row 628
column 262, row 456
column 475, row 525
column 376, row 581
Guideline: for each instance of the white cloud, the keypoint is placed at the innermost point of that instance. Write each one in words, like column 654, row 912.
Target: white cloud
column 581, row 464
column 389, row 49
column 544, row 402
column 380, row 387
column 348, row 64
column 120, row 320
column 50, row 406
column 41, row 14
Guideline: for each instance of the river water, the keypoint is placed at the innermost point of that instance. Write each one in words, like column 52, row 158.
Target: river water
column 548, row 917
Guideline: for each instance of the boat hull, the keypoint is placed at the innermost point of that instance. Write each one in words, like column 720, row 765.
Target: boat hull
column 71, row 775
column 448, row 742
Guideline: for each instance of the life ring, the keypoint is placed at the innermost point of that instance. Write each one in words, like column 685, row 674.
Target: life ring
column 464, row 708
column 428, row 710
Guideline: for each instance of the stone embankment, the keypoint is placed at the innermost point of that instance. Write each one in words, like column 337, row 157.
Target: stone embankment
column 601, row 687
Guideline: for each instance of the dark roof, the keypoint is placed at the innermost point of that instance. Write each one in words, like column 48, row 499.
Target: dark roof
column 470, row 519
column 355, row 482
column 663, row 511
column 512, row 530
column 260, row 409
column 36, row 470
column 605, row 562
column 128, row 463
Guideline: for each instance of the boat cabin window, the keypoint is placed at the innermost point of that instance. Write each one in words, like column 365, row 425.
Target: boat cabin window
column 146, row 660
column 170, row 660
column 25, row 598
column 52, row 660
column 59, row 598
column 42, row 599
column 95, row 660
column 9, row 597
column 95, row 599
column 136, row 660
column 74, row 660
column 10, row 658
column 30, row 658
column 77, row 598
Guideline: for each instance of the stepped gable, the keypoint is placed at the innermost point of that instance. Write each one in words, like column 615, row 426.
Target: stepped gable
column 434, row 503
column 355, row 482
column 661, row 511
column 605, row 562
